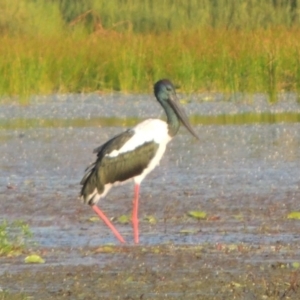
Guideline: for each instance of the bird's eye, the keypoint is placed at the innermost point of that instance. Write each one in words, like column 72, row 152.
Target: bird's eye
column 169, row 88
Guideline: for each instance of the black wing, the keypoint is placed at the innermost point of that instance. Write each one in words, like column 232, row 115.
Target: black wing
column 119, row 168
column 126, row 165
column 115, row 143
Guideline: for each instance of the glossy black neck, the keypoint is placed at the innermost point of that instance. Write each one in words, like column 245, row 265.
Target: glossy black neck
column 172, row 119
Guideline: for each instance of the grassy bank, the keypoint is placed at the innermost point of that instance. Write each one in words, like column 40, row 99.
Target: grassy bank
column 208, row 59
column 58, row 46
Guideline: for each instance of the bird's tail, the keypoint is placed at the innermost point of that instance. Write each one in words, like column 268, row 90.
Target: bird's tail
column 91, row 186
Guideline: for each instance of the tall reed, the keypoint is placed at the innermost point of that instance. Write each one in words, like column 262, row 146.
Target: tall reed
column 56, row 46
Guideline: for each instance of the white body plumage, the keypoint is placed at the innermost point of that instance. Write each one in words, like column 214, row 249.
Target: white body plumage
column 149, row 131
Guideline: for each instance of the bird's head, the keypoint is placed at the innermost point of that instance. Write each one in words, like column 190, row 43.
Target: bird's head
column 164, row 91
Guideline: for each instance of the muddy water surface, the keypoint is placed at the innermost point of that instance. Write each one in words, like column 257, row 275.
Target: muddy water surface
column 243, row 173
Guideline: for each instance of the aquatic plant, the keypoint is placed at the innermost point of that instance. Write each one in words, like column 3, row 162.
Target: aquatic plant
column 13, row 237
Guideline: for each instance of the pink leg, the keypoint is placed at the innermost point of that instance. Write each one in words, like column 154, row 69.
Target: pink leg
column 99, row 212
column 135, row 220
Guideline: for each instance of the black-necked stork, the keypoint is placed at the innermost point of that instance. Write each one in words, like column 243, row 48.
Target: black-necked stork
column 133, row 154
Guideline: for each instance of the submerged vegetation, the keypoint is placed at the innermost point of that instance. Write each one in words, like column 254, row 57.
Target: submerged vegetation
column 125, row 45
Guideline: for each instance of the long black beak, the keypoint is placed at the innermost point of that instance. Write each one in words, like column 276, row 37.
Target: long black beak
column 182, row 115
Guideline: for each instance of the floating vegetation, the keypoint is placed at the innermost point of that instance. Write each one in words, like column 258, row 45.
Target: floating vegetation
column 34, row 259
column 197, row 214
column 294, row 215
column 124, row 219
column 151, row 219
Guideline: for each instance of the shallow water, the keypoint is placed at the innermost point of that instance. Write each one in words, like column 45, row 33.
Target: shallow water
column 243, row 173
column 45, row 165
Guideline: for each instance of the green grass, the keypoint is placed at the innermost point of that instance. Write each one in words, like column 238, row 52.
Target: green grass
column 9, row 296
column 203, row 60
column 13, row 237
column 68, row 46
column 223, row 119
column 149, row 16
